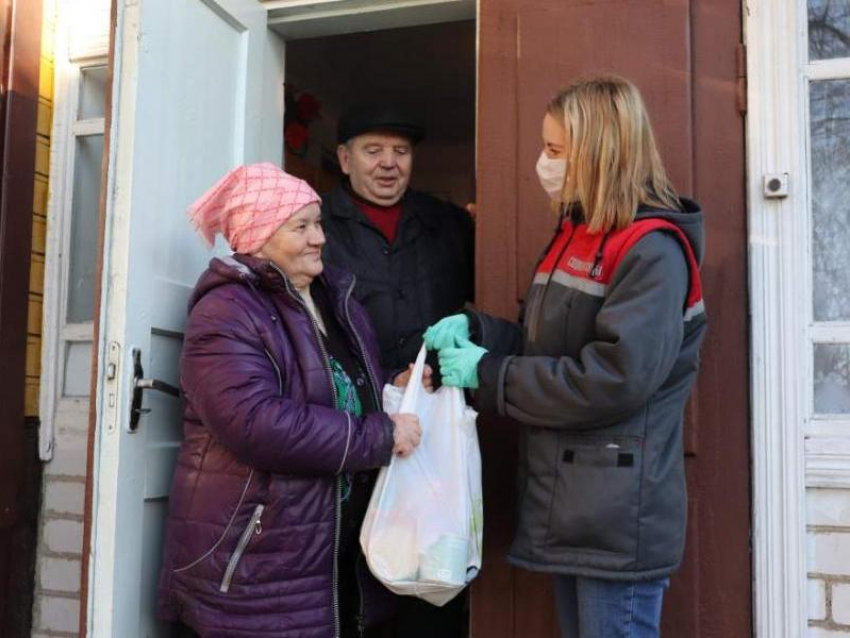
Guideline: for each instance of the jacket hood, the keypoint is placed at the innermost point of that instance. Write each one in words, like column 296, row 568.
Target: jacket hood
column 220, row 272
column 258, row 274
column 689, row 220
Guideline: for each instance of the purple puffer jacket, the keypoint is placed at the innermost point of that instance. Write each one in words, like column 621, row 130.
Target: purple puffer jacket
column 253, row 522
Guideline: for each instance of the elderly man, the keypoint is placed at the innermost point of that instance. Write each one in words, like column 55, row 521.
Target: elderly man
column 413, row 257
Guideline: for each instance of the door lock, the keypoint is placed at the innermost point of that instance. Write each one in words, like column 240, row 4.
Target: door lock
column 140, row 384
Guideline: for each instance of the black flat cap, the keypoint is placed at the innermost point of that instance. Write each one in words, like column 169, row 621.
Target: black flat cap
column 378, row 118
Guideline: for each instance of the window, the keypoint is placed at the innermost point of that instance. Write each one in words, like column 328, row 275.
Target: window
column 72, row 245
column 827, row 76
column 85, row 196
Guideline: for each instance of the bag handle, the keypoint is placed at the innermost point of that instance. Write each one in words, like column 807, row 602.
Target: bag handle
column 414, row 385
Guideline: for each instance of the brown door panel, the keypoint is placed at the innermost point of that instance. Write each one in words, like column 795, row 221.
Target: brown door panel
column 560, row 45
column 493, row 591
column 534, row 605
column 682, row 56
column 681, row 603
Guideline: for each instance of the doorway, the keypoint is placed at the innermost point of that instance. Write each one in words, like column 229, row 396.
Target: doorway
column 406, row 67
column 161, row 156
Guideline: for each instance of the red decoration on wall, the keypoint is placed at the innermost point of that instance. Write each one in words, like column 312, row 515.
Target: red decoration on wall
column 296, row 136
column 300, row 108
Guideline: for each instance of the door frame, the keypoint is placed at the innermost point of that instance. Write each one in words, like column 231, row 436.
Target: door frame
column 105, row 171
column 299, row 19
column 791, row 450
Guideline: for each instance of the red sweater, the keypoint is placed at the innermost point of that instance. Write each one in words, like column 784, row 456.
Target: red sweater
column 385, row 218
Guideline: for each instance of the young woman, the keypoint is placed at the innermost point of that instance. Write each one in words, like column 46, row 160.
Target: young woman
column 600, row 368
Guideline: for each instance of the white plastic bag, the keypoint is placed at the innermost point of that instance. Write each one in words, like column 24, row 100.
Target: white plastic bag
column 423, row 530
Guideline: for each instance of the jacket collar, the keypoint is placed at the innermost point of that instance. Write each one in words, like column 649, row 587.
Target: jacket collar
column 411, row 207
column 268, row 277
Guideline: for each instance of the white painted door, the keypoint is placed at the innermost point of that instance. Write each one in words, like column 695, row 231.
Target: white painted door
column 798, row 133
column 198, row 89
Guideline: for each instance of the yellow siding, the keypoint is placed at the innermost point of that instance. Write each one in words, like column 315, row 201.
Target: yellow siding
column 40, row 189
column 45, row 117
column 39, row 235
column 31, row 396
column 37, row 274
column 36, row 304
column 45, row 80
column 42, row 155
column 33, row 358
column 39, row 204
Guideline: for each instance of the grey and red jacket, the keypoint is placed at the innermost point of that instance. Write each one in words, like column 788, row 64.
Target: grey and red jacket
column 599, row 373
column 253, row 524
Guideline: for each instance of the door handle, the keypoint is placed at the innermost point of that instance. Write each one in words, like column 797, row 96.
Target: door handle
column 140, row 384
column 156, row 384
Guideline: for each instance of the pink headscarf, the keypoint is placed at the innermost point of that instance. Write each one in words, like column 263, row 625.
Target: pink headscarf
column 249, row 204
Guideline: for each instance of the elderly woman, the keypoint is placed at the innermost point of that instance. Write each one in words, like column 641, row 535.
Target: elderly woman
column 599, row 371
column 283, row 428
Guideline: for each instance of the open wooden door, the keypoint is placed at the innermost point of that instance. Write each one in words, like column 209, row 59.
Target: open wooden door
column 682, row 54
column 197, row 90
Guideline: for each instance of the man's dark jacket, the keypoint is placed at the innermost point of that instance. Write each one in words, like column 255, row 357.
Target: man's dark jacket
column 423, row 276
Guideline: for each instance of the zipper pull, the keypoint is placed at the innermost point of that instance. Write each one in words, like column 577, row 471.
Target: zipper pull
column 258, row 527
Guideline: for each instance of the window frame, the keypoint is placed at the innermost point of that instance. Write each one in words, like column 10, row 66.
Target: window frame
column 818, row 424
column 57, row 333
column 791, row 450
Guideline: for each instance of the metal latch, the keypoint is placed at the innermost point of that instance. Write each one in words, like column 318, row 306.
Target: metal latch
column 140, row 384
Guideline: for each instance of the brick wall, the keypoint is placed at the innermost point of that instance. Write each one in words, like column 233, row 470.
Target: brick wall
column 59, row 558
column 828, row 562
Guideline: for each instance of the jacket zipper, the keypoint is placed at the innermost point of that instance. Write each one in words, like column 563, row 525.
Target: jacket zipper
column 361, row 618
column 226, row 529
column 539, row 306
column 369, row 371
column 337, row 524
column 255, row 526
column 317, row 333
column 276, row 369
column 361, row 615
column 374, row 384
column 338, row 513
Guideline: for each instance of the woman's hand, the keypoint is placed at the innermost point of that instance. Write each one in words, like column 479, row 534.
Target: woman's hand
column 459, row 366
column 403, row 378
column 407, row 433
column 449, row 332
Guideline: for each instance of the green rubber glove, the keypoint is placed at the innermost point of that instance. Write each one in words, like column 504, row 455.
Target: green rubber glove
column 449, row 332
column 459, row 366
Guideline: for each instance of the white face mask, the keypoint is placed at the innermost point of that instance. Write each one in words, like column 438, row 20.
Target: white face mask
column 552, row 173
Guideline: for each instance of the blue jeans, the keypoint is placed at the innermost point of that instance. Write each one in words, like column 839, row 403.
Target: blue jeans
column 594, row 608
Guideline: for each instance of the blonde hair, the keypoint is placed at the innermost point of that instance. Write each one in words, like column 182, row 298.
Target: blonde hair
column 613, row 165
